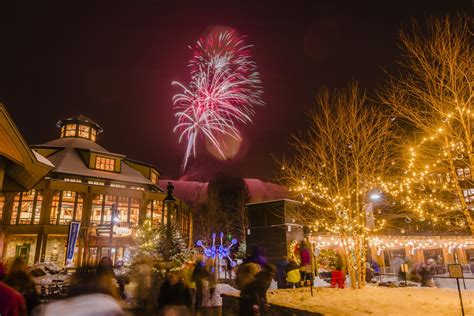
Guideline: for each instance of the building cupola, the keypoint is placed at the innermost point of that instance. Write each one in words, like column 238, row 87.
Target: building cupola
column 79, row 126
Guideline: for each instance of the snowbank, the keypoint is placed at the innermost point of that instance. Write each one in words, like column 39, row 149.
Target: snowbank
column 376, row 301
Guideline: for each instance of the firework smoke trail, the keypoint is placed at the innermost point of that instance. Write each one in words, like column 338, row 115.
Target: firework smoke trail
column 224, row 89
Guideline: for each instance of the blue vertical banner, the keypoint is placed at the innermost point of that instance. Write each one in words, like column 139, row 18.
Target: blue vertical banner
column 74, row 228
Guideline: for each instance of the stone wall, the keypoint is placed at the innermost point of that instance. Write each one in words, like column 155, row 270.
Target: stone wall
column 56, row 250
column 17, row 240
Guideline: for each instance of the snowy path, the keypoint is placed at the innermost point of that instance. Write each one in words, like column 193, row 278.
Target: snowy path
column 376, row 301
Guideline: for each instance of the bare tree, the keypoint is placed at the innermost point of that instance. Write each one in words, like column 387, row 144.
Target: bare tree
column 227, row 196
column 345, row 153
column 433, row 93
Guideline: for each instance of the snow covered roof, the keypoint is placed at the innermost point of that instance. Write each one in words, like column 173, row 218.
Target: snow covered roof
column 259, row 191
column 68, row 160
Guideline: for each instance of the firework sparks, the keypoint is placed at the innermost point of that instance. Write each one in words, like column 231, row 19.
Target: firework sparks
column 224, row 89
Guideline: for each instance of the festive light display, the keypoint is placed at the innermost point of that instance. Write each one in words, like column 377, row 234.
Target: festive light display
column 388, row 242
column 224, row 89
column 220, row 251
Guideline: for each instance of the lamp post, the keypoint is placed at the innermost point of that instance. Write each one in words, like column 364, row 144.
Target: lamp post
column 168, row 202
column 113, row 220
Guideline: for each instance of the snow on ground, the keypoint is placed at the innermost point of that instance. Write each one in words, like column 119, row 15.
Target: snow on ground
column 376, row 301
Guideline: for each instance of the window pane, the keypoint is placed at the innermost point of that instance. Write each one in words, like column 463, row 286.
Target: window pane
column 103, row 163
column 26, row 207
column 93, row 134
column 96, row 209
column 122, row 208
column 153, row 212
column 80, row 203
column 71, row 130
column 154, row 178
column 39, row 202
column 67, row 207
column 54, row 208
column 16, row 205
column 84, row 131
column 134, row 210
column 109, row 201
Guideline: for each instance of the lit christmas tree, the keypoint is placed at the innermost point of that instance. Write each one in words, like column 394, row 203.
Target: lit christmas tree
column 164, row 246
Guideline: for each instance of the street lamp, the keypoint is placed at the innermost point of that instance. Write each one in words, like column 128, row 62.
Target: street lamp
column 114, row 219
column 169, row 202
column 374, row 196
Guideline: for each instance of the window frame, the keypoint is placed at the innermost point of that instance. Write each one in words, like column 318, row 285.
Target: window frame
column 107, row 162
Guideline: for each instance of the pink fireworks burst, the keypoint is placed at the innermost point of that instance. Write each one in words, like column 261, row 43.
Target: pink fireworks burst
column 225, row 87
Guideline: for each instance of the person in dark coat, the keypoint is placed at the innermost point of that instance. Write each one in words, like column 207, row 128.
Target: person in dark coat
column 281, row 272
column 253, row 298
column 173, row 292
column 258, row 256
column 21, row 281
column 199, row 276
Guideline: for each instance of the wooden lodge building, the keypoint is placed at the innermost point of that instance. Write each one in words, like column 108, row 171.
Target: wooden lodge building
column 47, row 186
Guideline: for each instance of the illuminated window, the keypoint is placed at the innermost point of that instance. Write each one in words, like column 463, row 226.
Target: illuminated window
column 96, row 212
column 107, row 210
column 26, row 208
column 464, row 173
column 65, row 207
column 94, row 182
column 62, row 131
column 116, row 185
column 134, row 210
column 84, row 131
column 154, row 177
column 137, row 188
column 127, row 210
column 469, row 195
column 72, row 180
column 154, row 211
column 70, row 130
column 93, row 134
column 103, row 163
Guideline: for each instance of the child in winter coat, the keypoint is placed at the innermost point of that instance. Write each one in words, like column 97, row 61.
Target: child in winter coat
column 293, row 275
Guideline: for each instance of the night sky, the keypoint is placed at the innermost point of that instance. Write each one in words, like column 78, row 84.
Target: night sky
column 114, row 63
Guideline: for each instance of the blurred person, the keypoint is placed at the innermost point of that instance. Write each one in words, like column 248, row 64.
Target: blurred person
column 187, row 274
column 201, row 277
column 19, row 279
column 305, row 261
column 246, row 273
column 369, row 272
column 257, row 256
column 282, row 266
column 12, row 302
column 106, row 276
column 141, row 275
column 337, row 276
column 426, row 272
column 174, row 293
column 122, row 278
column 253, row 298
column 293, row 275
column 88, row 295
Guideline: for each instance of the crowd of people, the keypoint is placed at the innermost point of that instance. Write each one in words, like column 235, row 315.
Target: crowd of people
column 192, row 289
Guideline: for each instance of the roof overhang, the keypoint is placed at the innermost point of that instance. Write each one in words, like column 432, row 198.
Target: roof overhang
column 23, row 168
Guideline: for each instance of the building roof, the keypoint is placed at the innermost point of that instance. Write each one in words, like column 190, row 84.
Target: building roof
column 68, row 160
column 80, row 119
column 24, row 168
column 259, row 191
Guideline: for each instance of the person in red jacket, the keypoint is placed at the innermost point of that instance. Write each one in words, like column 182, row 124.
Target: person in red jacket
column 12, row 302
